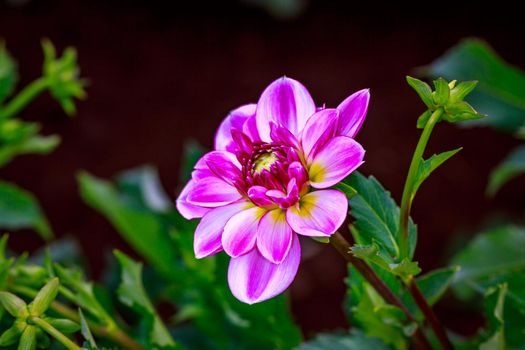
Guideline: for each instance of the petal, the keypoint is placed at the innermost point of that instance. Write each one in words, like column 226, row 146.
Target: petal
column 257, row 194
column 213, row 192
column 285, row 102
column 253, row 279
column 235, row 120
column 338, row 158
column 297, row 171
column 320, row 128
column 318, row 213
column 250, row 128
column 240, row 231
column 353, row 113
column 201, row 170
column 282, row 136
column 225, row 165
column 285, row 200
column 274, row 236
column 208, row 234
column 186, row 209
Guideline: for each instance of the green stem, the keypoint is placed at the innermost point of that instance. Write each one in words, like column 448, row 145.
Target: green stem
column 408, row 193
column 55, row 333
column 115, row 334
column 25, row 96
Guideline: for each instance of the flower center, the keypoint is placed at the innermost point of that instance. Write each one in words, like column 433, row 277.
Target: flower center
column 264, row 162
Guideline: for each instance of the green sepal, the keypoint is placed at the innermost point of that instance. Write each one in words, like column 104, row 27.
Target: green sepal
column 45, row 297
column 321, row 239
column 28, row 338
column 423, row 90
column 14, row 305
column 461, row 90
column 442, row 93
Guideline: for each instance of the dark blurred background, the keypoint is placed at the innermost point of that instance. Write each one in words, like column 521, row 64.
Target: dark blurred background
column 162, row 73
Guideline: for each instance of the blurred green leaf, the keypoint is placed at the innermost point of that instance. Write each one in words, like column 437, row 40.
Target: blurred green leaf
column 28, row 339
column 376, row 216
column 131, row 292
column 495, row 301
column 501, row 90
column 493, row 258
column 86, row 332
column 143, row 229
column 13, row 304
column 192, row 152
column 8, row 73
column 46, row 295
column 512, row 166
column 64, row 325
column 355, row 340
column 12, row 334
column 19, row 210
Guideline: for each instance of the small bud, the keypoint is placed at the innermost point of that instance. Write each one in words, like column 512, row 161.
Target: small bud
column 28, row 339
column 452, row 84
column 11, row 336
column 45, row 297
column 14, row 305
column 63, row 325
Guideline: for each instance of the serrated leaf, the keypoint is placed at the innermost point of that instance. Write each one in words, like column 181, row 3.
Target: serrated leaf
column 19, row 209
column 131, row 292
column 422, row 89
column 442, row 92
column 354, row 340
column 405, row 268
column 8, row 73
column 376, row 215
column 427, row 166
column 501, row 89
column 513, row 165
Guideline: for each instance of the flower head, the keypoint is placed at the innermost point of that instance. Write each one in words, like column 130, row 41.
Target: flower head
column 268, row 180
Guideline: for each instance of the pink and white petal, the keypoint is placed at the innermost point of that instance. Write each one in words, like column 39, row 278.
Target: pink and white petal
column 286, row 102
column 353, row 113
column 338, row 158
column 257, row 195
column 253, row 279
column 224, row 165
column 201, row 170
column 283, row 136
column 318, row 130
column 235, row 120
column 186, row 209
column 297, row 171
column 318, row 213
column 274, row 236
column 240, row 232
column 213, row 192
column 208, row 235
column 249, row 128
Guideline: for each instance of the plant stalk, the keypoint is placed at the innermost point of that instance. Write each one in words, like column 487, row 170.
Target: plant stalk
column 25, row 96
column 343, row 247
column 430, row 316
column 408, row 193
column 55, row 333
column 114, row 334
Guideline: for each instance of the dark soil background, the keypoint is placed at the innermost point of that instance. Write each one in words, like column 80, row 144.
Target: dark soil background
column 162, row 74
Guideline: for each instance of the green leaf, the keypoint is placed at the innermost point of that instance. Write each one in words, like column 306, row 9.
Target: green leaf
column 44, row 298
column 369, row 311
column 13, row 304
column 19, row 209
column 8, row 73
column 493, row 258
column 28, row 339
column 512, row 166
column 427, row 166
column 131, row 292
column 405, row 268
column 64, row 325
column 501, row 89
column 131, row 220
column 355, row 340
column 86, row 332
column 376, row 215
column 423, row 119
column 442, row 92
column 348, row 190
column 423, row 90
column 495, row 301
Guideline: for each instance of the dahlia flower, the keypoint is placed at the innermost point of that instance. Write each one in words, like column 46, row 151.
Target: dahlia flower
column 269, row 180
